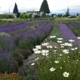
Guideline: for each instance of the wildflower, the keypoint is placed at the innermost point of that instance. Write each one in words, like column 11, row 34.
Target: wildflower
column 38, row 46
column 52, row 36
column 45, row 52
column 59, row 41
column 56, row 61
column 45, row 44
column 72, row 49
column 62, row 46
column 77, row 60
column 32, row 64
column 76, row 48
column 78, row 37
column 68, row 44
column 60, row 54
column 34, row 49
column 60, row 67
column 52, row 69
column 66, row 74
column 54, row 50
column 71, row 40
column 55, row 47
column 49, row 46
column 60, row 38
column 37, row 52
column 65, row 51
column 64, row 61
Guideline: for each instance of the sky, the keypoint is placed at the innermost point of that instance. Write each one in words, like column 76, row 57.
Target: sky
column 55, row 6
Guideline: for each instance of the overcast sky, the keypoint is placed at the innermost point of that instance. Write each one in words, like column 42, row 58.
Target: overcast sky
column 55, row 6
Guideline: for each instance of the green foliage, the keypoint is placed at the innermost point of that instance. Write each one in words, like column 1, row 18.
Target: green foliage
column 5, row 16
column 37, row 16
column 43, row 14
column 76, row 30
column 53, row 64
column 44, row 7
column 18, row 14
column 15, row 10
column 55, row 31
column 59, row 15
column 24, row 16
column 29, row 71
column 67, row 13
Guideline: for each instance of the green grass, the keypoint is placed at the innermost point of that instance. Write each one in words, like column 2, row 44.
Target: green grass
column 66, row 18
column 55, row 31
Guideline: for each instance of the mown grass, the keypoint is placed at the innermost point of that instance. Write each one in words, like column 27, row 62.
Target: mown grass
column 66, row 18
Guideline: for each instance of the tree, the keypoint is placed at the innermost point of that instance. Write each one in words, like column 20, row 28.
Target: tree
column 44, row 7
column 67, row 13
column 15, row 10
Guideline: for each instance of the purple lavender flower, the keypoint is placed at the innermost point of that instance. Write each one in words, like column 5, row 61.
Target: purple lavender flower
column 7, row 62
column 68, row 34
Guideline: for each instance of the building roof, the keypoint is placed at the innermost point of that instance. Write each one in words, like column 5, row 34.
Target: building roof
column 33, row 11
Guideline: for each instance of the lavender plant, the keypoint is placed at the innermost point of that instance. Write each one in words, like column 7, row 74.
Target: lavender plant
column 7, row 62
column 68, row 34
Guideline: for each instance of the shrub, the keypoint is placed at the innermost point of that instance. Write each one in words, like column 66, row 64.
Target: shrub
column 37, row 16
column 5, row 16
column 24, row 15
column 59, row 15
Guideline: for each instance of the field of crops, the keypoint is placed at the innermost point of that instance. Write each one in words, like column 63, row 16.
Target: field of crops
column 54, row 42
column 19, row 36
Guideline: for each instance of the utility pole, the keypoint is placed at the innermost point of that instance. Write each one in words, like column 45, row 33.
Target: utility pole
column 9, row 11
column 0, row 8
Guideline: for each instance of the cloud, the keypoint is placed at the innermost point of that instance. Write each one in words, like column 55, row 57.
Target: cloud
column 26, row 5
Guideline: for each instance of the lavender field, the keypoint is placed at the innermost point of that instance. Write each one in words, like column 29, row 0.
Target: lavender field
column 26, row 35
column 54, row 43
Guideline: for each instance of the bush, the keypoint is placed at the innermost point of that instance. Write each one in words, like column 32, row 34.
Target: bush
column 24, row 15
column 37, row 16
column 59, row 15
column 5, row 16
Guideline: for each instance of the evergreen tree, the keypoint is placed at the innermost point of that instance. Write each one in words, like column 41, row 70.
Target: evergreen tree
column 67, row 12
column 15, row 10
column 44, row 7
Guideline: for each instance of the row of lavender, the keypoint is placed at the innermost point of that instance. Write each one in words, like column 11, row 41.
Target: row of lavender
column 68, row 34
column 10, row 24
column 74, row 23
column 20, row 40
column 22, row 25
